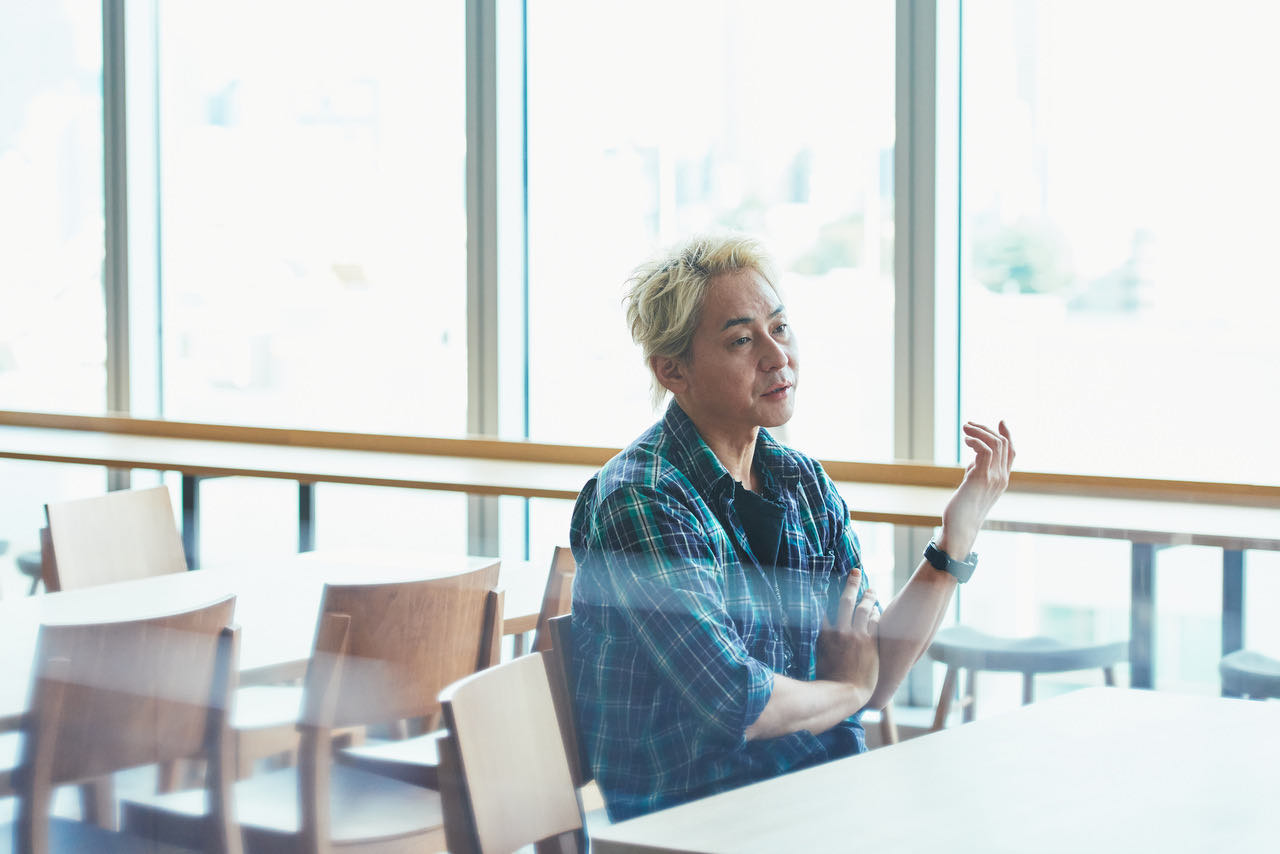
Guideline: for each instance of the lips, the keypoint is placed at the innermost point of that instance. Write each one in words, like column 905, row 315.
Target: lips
column 778, row 390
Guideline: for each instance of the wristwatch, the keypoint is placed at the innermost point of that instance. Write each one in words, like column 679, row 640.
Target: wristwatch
column 940, row 560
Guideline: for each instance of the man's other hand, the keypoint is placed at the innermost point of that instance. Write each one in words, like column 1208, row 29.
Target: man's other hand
column 848, row 650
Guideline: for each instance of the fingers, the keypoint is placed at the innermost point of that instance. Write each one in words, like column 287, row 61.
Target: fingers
column 862, row 614
column 993, row 441
column 980, row 448
column 1008, row 438
column 991, row 448
column 848, row 599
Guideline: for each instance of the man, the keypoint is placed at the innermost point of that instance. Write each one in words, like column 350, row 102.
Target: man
column 724, row 630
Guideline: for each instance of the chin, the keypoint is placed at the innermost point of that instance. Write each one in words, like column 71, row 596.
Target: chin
column 769, row 420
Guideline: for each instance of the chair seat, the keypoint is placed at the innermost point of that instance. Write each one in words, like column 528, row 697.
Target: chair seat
column 962, row 646
column 31, row 564
column 76, row 837
column 1250, row 673
column 265, row 722
column 10, row 755
column 363, row 807
column 413, row 760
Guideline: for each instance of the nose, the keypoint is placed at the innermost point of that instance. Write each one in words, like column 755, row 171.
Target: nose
column 775, row 356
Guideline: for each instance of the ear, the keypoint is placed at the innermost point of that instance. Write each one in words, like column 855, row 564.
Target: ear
column 670, row 373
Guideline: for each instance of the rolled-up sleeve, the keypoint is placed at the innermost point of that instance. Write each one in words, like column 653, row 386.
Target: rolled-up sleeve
column 663, row 571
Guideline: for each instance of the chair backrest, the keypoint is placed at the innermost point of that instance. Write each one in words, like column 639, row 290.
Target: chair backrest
column 557, row 597
column 406, row 641
column 505, row 776
column 118, row 536
column 559, row 667
column 111, row 696
column 384, row 652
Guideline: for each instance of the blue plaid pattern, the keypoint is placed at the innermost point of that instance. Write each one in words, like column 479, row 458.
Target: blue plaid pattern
column 678, row 628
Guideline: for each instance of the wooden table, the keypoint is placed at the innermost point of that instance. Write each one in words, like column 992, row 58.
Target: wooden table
column 276, row 605
column 1148, row 514
column 1098, row 770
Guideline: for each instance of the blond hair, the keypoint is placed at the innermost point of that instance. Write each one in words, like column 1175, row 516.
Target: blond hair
column 665, row 294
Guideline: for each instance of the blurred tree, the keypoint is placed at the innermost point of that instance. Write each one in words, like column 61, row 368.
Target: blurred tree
column 1027, row 257
column 838, row 244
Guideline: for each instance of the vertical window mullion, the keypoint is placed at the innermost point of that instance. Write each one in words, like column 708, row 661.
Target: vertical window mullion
column 482, row 254
column 115, row 271
column 115, row 195
column 915, row 272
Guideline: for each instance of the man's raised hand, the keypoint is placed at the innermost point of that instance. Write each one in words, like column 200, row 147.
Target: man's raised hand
column 985, row 480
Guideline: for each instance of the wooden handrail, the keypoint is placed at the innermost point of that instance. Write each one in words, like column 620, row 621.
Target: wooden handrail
column 479, row 447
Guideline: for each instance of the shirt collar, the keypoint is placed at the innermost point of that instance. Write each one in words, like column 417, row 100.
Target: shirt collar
column 779, row 469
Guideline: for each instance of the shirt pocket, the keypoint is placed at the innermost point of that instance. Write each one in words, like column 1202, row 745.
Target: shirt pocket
column 821, row 566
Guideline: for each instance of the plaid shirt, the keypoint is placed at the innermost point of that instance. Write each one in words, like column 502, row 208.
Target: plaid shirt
column 678, row 628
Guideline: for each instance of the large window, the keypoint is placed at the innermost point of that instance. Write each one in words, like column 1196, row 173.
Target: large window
column 52, row 323
column 1116, row 288
column 52, row 327
column 311, row 231
column 311, row 210
column 657, row 120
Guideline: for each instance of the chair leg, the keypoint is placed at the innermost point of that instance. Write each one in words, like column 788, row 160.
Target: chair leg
column 971, row 696
column 35, row 582
column 1109, row 675
column 944, row 700
column 168, row 776
column 98, row 803
column 888, row 727
column 1028, row 688
column 245, row 761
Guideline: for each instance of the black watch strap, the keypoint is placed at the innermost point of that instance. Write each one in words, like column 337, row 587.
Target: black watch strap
column 940, row 560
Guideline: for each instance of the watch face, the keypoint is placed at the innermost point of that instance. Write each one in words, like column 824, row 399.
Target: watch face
column 940, row 560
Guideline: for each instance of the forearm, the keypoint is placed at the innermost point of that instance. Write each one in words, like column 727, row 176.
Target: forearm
column 814, row 706
column 909, row 623
column 907, row 627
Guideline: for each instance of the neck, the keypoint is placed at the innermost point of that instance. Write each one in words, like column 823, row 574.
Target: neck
column 736, row 451
column 738, row 459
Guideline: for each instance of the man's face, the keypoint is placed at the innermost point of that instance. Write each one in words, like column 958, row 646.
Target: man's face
column 741, row 373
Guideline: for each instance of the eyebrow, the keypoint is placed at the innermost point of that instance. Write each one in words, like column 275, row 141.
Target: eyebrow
column 743, row 321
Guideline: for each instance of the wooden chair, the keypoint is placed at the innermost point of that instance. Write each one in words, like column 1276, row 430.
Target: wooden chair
column 383, row 652
column 559, row 661
column 10, row 752
column 131, row 534
column 559, row 667
column 888, row 726
column 1247, row 673
column 31, row 565
column 111, row 696
column 557, row 597
column 505, row 778
column 965, row 648
column 118, row 536
column 417, row 759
